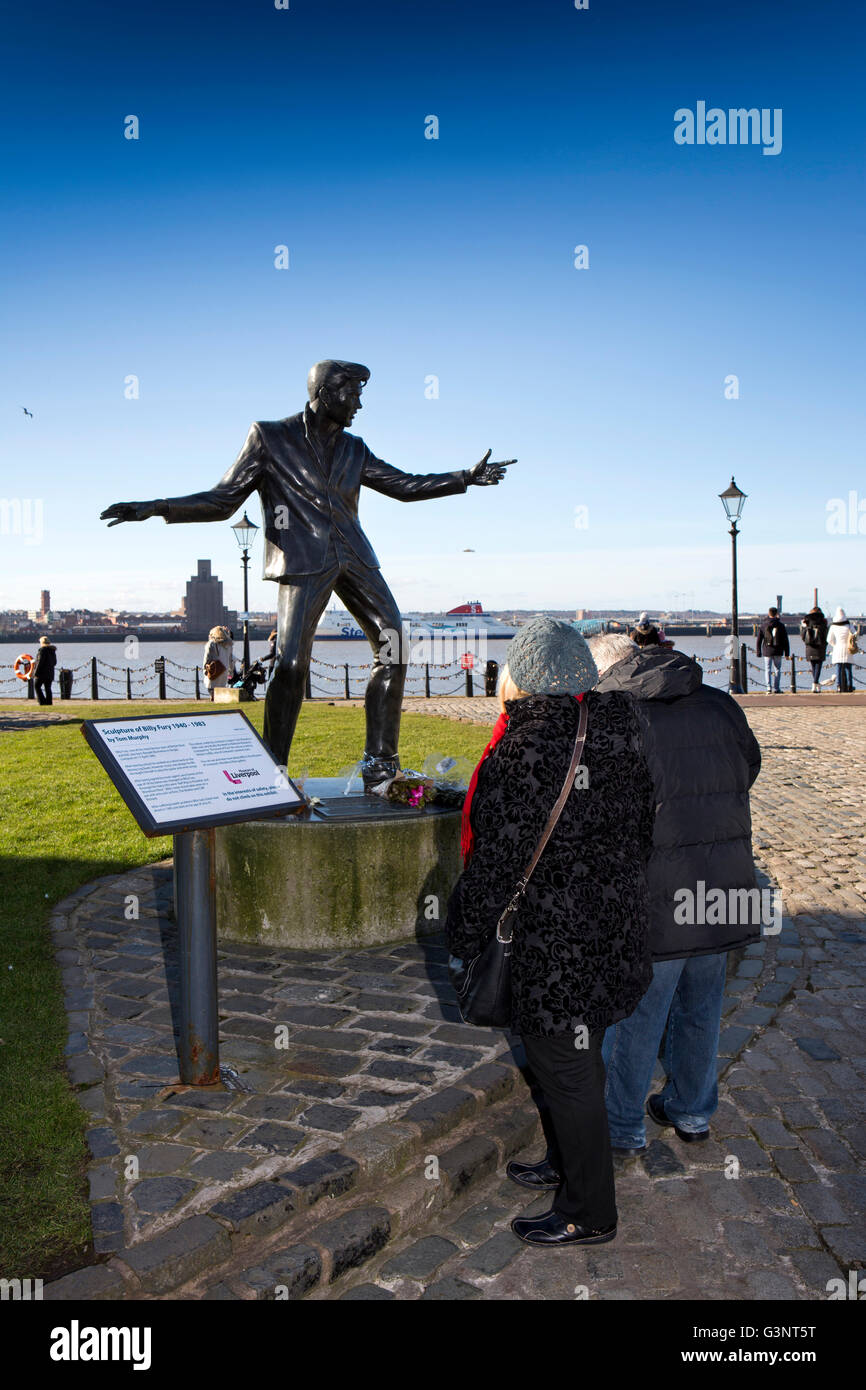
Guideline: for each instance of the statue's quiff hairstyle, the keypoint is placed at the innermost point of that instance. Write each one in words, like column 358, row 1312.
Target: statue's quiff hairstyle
column 332, row 371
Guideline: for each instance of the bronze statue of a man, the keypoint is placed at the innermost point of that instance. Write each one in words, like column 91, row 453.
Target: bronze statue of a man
column 309, row 472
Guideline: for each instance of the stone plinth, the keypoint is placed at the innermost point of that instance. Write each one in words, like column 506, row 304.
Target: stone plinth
column 354, row 871
column 231, row 695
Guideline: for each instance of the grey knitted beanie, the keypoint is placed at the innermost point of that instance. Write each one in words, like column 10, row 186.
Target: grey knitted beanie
column 549, row 657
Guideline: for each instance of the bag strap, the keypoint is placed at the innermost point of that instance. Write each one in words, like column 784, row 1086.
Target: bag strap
column 552, row 819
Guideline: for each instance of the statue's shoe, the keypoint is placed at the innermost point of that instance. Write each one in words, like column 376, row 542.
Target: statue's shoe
column 375, row 771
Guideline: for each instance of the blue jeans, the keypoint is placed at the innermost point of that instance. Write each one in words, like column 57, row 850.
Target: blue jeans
column 844, row 681
column 769, row 663
column 687, row 995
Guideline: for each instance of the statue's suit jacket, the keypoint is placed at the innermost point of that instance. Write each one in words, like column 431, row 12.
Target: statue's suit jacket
column 303, row 502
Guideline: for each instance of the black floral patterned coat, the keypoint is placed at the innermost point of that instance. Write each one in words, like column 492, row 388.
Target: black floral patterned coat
column 580, row 952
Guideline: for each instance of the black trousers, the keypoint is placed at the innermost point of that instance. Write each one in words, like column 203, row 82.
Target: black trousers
column 301, row 603
column 572, row 1082
column 43, row 691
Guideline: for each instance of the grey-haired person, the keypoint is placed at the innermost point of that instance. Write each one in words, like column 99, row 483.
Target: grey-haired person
column 580, row 959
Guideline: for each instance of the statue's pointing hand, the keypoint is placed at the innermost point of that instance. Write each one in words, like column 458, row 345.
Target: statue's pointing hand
column 484, row 474
column 128, row 511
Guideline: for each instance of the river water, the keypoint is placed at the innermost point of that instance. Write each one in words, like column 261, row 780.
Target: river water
column 329, row 660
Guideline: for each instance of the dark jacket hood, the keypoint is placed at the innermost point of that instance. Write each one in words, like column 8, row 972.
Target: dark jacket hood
column 651, row 674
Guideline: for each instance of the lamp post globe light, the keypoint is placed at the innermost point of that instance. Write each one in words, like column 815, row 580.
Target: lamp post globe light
column 245, row 534
column 733, row 501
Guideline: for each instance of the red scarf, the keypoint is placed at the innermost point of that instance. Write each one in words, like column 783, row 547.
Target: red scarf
column 467, row 839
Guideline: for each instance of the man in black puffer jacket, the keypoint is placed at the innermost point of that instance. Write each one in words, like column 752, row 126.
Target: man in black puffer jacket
column 703, row 898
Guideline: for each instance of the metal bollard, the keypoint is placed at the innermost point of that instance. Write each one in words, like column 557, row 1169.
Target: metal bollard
column 427, row 679
column 128, row 684
column 94, row 680
column 470, row 690
column 793, row 676
column 308, row 686
column 346, row 669
column 197, row 685
column 195, row 902
column 744, row 668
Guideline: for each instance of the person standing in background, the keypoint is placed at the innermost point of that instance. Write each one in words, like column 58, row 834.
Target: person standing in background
column 218, row 659
column 773, row 645
column 43, row 671
column 646, row 634
column 840, row 641
column 813, row 631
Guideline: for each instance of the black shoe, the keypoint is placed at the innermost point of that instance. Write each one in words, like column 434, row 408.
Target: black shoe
column 374, row 771
column 624, row 1150
column 655, row 1108
column 553, row 1229
column 541, row 1177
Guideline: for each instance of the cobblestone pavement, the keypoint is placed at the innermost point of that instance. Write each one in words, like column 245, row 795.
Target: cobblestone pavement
column 375, row 1056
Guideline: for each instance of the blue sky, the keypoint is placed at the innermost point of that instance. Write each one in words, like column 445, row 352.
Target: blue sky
column 449, row 257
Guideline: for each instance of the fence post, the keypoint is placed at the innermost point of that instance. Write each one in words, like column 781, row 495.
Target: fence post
column 94, row 680
column 346, row 669
column 427, row 679
column 309, row 685
column 793, row 675
column 744, row 668
column 31, row 689
column 197, row 686
column 469, row 687
column 128, row 684
column 160, row 671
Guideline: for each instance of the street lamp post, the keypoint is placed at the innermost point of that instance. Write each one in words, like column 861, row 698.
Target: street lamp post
column 245, row 533
column 733, row 501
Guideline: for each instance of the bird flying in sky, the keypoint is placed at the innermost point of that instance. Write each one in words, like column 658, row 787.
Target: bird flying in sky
column 27, row 412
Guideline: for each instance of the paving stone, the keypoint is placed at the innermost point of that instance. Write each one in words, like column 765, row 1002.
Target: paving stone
column 439, row 1112
column 272, row 1107
column 297, row 992
column 162, row 1158
column 659, row 1160
column 106, row 1217
column 321, row 1090
column 798, row 1116
column 313, row 1015
column 153, row 1195
column 847, row 1244
column 396, row 1047
column 420, row 1260
column 353, row 1238
column 772, row 1134
column 340, row 1039
column 254, row 1210
column 321, row 1065
column 369, row 1003
column 94, row 1282
column 495, row 1253
column 816, row 1268
column 793, row 1165
column 397, row 1070
column 450, row 1290
column 210, row 1131
column 400, row 1027
column 818, row 1049
column 153, row 1122
column 818, row 1203
column 476, row 1224
column 751, row 1157
column 768, row 1284
column 102, row 1142
column 329, row 1175
column 370, row 1099
column 179, row 1254
column 218, row 1167
column 468, row 1161
column 452, row 1056
column 273, row 1138
column 733, row 1039
column 336, row 1119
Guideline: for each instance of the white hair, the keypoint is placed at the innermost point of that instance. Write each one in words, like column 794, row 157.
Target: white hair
column 609, row 648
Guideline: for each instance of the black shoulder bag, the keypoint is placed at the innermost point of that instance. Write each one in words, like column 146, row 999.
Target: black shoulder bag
column 483, row 984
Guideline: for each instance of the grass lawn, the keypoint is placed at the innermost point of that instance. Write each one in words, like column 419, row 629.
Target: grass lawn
column 64, row 825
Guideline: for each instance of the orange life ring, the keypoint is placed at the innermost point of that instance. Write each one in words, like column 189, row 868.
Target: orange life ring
column 19, row 661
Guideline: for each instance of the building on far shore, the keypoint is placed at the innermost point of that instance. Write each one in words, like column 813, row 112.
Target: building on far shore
column 203, row 606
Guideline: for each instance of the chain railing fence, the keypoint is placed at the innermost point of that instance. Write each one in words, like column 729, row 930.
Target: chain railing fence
column 165, row 679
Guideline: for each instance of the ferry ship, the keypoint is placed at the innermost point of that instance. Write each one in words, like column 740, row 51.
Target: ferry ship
column 466, row 620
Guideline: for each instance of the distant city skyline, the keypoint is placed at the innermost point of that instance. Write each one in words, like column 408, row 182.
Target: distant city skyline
column 553, row 275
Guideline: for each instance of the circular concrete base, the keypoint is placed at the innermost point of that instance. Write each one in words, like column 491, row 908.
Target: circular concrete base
column 353, row 872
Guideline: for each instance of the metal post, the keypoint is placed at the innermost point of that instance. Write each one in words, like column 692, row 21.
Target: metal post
column 246, row 558
column 309, row 685
column 197, row 686
column 744, row 668
column 427, row 679
column 161, row 673
column 31, row 689
column 346, row 669
column 793, row 676
column 128, row 684
column 469, row 686
column 94, row 680
column 195, row 899
column 734, row 687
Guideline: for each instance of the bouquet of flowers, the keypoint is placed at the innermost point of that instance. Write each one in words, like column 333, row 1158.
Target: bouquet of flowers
column 441, row 779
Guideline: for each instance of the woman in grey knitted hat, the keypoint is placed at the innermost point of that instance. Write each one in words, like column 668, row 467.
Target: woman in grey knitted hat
column 579, row 953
